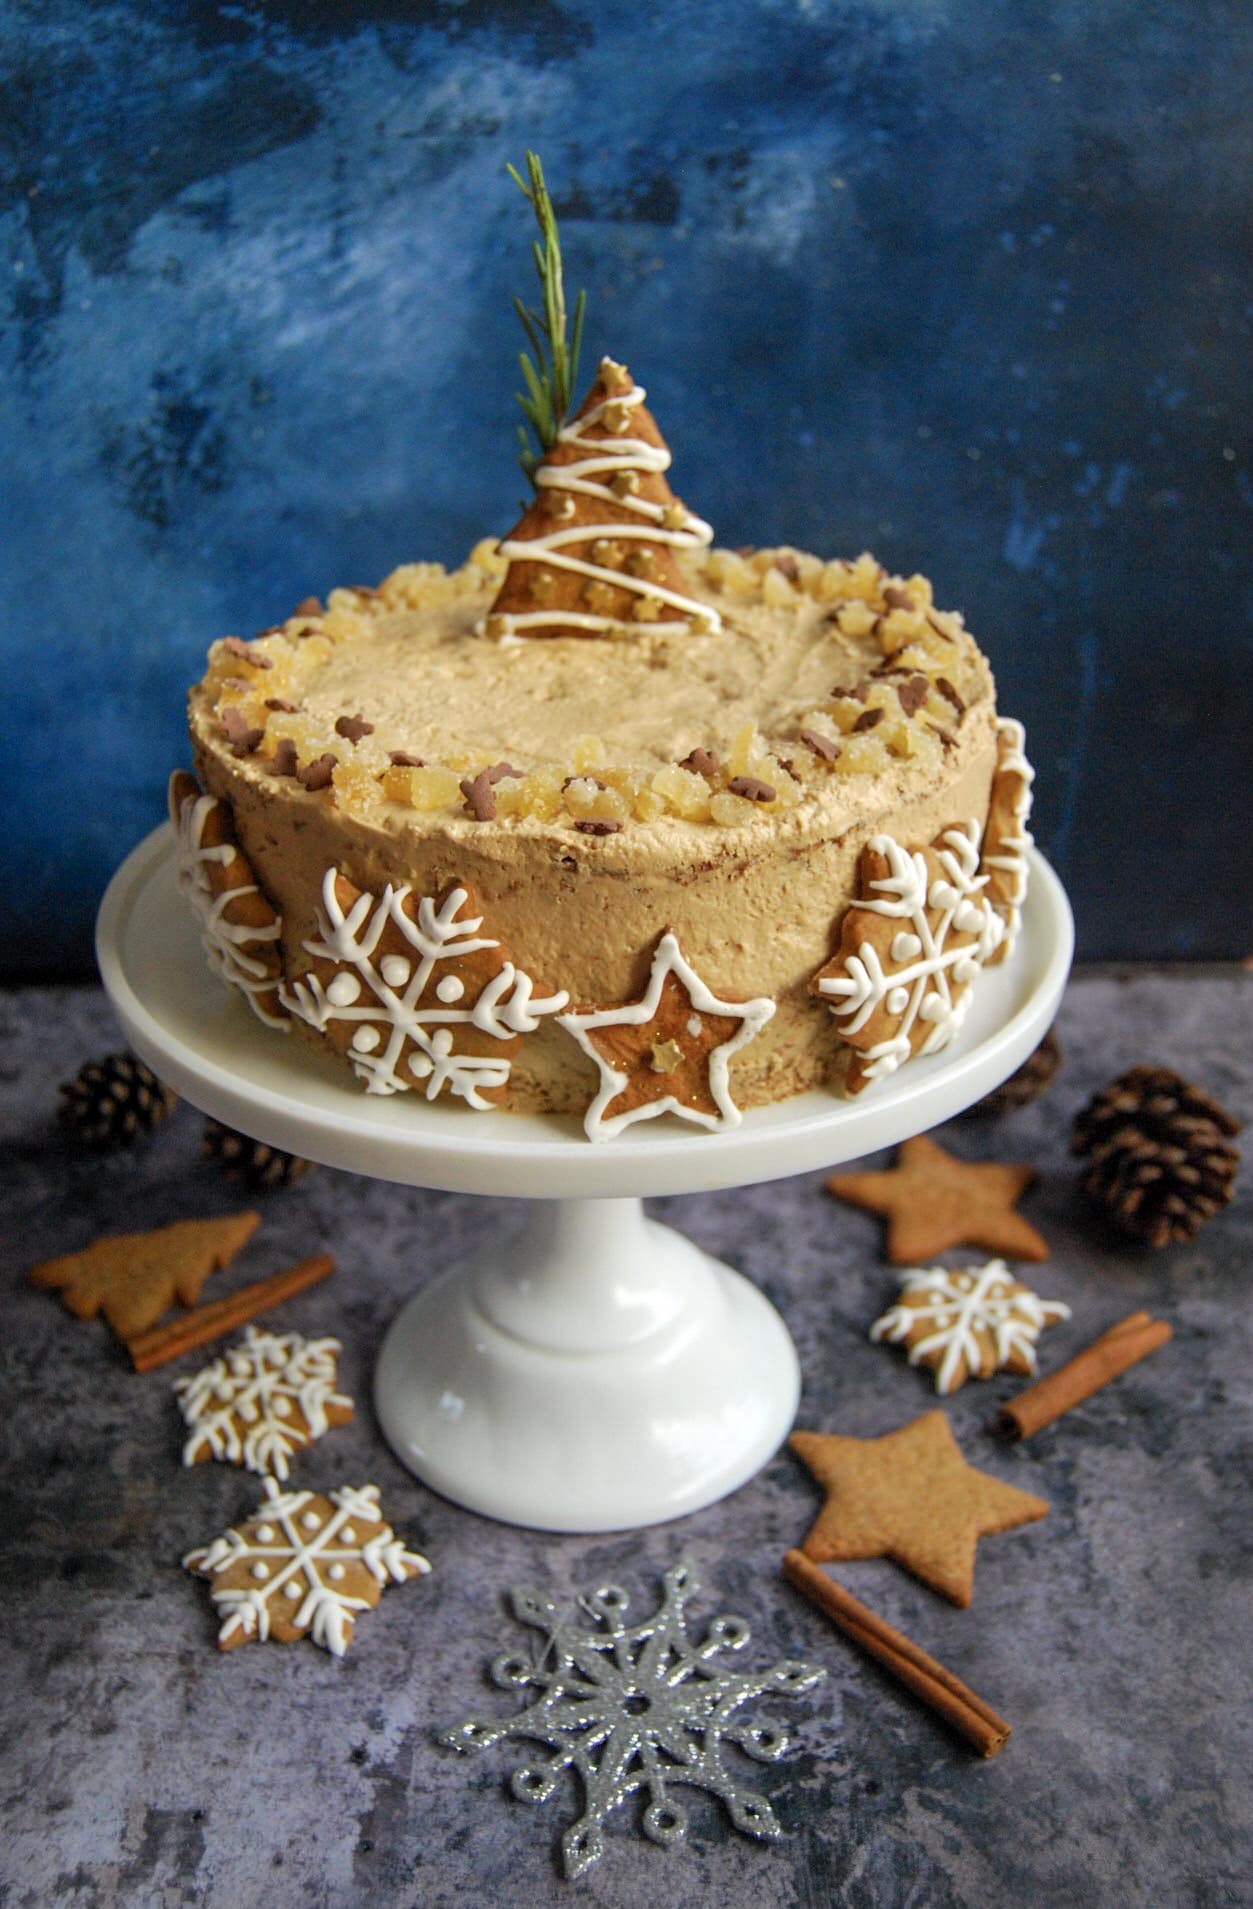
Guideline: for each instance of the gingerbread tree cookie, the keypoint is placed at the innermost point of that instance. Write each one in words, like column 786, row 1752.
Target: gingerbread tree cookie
column 910, row 947
column 1007, row 838
column 264, row 1399
column 667, row 1053
column 239, row 928
column 596, row 548
column 132, row 1278
column 909, row 1496
column 413, row 994
column 967, row 1323
column 303, row 1566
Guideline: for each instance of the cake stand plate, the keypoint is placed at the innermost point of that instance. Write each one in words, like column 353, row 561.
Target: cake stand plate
column 603, row 1372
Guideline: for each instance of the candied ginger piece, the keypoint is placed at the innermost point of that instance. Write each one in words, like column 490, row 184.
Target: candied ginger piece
column 683, row 791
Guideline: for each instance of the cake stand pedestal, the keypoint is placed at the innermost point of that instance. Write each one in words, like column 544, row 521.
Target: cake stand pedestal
column 601, row 1373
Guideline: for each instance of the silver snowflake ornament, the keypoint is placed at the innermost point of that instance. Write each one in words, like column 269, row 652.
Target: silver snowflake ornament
column 632, row 1707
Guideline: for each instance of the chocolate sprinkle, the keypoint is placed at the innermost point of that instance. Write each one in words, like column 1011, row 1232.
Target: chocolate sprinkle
column 594, row 826
column 242, row 738
column 594, row 780
column 237, row 647
column 949, row 694
column 308, row 606
column 479, row 790
column 284, row 761
column 702, row 762
column 787, row 563
column 820, row 745
column 276, row 702
column 317, row 775
column 939, row 632
column 751, row 788
column 352, row 728
column 869, row 719
column 852, row 692
column 912, row 694
column 898, row 599
column 401, row 759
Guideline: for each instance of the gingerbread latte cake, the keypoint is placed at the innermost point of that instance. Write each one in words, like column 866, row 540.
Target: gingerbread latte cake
column 608, row 822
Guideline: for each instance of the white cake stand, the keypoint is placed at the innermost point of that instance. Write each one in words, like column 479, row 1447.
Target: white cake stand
column 601, row 1372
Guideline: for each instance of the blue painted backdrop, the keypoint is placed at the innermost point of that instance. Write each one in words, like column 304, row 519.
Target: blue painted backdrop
column 958, row 280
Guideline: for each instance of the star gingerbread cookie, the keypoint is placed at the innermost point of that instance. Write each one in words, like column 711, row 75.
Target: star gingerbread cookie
column 932, row 1200
column 909, row 1496
column 667, row 1053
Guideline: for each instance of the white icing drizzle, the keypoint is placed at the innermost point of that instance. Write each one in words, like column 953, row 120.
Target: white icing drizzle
column 243, row 1407
column 295, row 1565
column 419, row 1044
column 932, row 985
column 226, row 943
column 606, row 458
column 961, row 1307
column 1010, row 858
column 669, row 959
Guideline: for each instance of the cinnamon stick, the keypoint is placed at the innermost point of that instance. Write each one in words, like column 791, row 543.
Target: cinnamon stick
column 159, row 1344
column 1124, row 1345
column 938, row 1688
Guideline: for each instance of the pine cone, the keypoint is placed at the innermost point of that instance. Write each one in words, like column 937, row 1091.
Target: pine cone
column 111, row 1102
column 1031, row 1079
column 1160, row 1154
column 261, row 1168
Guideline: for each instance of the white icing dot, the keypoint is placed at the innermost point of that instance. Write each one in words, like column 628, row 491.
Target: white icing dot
column 366, row 1039
column 348, row 1535
column 280, row 1406
column 260, row 1571
column 395, row 970
column 695, row 1025
column 292, row 1588
column 419, row 1065
column 335, row 1572
column 343, row 990
column 441, row 1041
column 897, row 1001
column 933, row 1008
column 905, row 947
column 310, row 1521
column 450, row 988
column 264, row 1533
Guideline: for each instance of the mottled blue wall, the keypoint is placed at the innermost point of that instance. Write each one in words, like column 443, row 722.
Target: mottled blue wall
column 962, row 282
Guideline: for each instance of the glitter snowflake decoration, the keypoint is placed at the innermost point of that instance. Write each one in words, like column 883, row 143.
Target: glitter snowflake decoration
column 304, row 1566
column 414, row 994
column 264, row 1399
column 635, row 1707
column 910, row 947
column 967, row 1323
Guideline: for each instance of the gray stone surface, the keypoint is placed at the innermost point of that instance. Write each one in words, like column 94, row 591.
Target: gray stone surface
column 140, row 1766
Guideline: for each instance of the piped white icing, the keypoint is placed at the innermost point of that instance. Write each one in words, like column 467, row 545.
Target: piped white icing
column 934, row 984
column 293, row 1564
column 668, row 959
column 226, row 943
column 243, row 1407
column 419, row 1048
column 959, row 1305
column 603, row 459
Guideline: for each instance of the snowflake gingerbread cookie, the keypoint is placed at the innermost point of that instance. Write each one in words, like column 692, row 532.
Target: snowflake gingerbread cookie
column 667, row 1053
column 910, row 947
column 239, row 928
column 414, row 995
column 304, row 1566
column 967, row 1324
column 264, row 1399
column 635, row 1707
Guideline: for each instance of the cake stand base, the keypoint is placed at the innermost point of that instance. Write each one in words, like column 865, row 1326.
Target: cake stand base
column 603, row 1373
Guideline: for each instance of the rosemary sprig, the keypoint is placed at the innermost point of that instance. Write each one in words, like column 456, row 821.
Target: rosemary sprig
column 550, row 376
